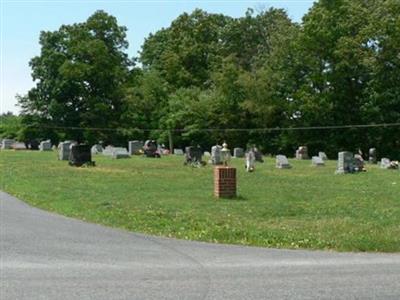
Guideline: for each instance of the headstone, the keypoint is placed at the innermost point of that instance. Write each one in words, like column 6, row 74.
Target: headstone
column 80, row 155
column 119, row 152
column 216, row 155
column 150, row 149
column 7, row 144
column 282, row 162
column 206, row 153
column 317, row 161
column 302, row 153
column 33, row 145
column 238, row 152
column 346, row 163
column 258, row 155
column 96, row 149
column 178, row 152
column 193, row 155
column 18, row 146
column 387, row 164
column 135, row 147
column 45, row 146
column 108, row 150
column 64, row 150
column 323, row 155
column 359, row 163
column 250, row 160
column 372, row 156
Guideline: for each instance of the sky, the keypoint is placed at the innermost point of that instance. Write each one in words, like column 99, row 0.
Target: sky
column 21, row 22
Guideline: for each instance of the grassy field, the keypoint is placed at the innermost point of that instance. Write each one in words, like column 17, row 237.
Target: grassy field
column 305, row 207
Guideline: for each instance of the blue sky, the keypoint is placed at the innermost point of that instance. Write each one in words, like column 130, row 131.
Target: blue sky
column 22, row 21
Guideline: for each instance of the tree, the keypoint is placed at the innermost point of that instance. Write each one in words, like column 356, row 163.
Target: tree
column 80, row 78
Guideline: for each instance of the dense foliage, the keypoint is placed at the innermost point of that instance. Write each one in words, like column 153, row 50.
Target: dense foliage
column 340, row 66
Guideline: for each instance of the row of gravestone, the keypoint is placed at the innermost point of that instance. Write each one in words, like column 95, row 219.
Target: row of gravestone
column 302, row 153
column 12, row 144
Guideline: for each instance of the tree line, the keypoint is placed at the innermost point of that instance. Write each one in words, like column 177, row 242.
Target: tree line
column 207, row 74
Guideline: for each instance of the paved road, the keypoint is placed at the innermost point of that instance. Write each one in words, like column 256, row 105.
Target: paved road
column 47, row 256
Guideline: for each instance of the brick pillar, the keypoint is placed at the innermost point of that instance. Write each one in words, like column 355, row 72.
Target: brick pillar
column 224, row 182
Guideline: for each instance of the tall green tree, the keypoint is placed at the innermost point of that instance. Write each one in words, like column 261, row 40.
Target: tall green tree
column 80, row 78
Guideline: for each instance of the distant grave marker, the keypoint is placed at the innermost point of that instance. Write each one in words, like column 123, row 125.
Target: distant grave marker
column 45, row 146
column 302, row 153
column 238, row 152
column 135, row 147
column 282, row 162
column 317, row 161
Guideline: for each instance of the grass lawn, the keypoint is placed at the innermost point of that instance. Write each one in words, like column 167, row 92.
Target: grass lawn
column 305, row 207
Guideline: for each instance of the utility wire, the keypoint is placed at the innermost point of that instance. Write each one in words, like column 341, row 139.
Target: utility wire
column 221, row 129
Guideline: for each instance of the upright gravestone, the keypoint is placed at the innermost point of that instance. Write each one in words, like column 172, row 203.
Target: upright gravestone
column 45, row 146
column 80, row 155
column 96, row 149
column 372, row 156
column 7, row 144
column 119, row 152
column 150, row 149
column 135, row 147
column 359, row 163
column 33, row 145
column 178, row 152
column 108, row 150
column 345, row 163
column 302, row 152
column 323, row 156
column 258, row 155
column 238, row 152
column 193, row 155
column 250, row 160
column 216, row 158
column 385, row 163
column 18, row 146
column 317, row 161
column 282, row 162
column 64, row 150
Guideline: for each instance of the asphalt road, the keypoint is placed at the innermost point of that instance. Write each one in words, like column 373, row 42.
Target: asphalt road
column 47, row 256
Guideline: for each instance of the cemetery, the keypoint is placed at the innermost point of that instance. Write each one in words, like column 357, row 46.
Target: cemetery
column 283, row 202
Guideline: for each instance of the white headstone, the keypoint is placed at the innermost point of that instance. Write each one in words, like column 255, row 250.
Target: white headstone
column 178, row 152
column 45, row 146
column 282, row 162
column 317, row 161
column 120, row 152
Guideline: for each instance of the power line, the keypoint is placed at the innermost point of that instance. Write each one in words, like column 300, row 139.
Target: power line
column 268, row 129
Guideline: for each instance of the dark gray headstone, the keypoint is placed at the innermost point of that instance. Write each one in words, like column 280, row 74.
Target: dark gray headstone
column 80, row 155
column 193, row 155
column 150, row 149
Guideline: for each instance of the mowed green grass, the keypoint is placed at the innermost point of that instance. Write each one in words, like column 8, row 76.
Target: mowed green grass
column 304, row 207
